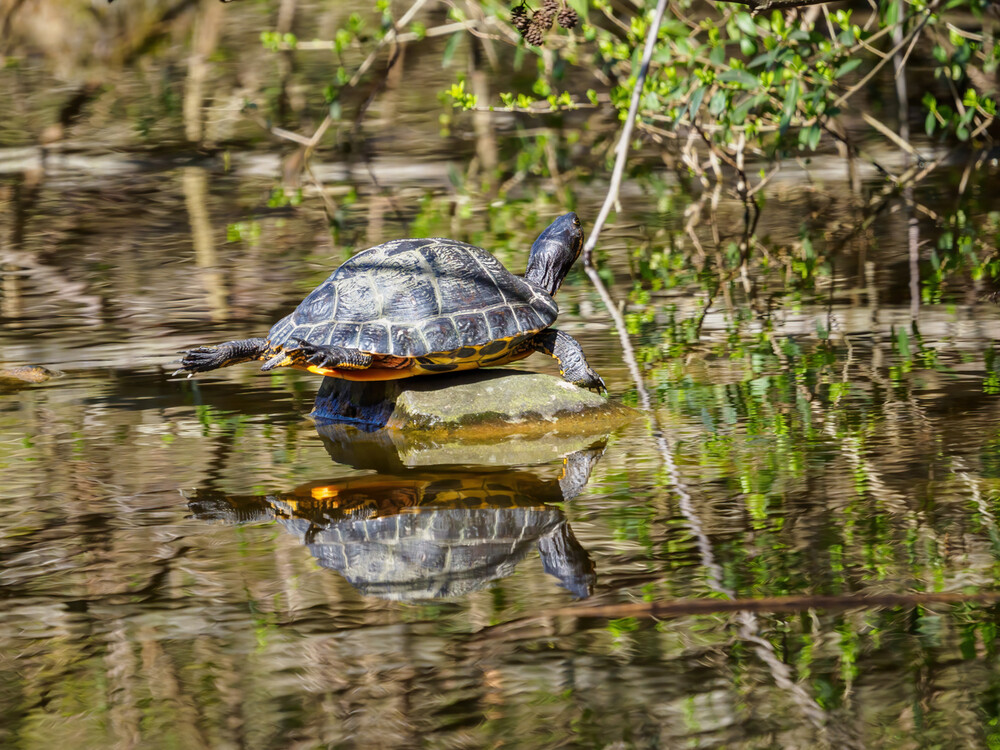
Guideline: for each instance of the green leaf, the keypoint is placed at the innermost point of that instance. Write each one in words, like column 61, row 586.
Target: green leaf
column 892, row 14
column 814, row 136
column 788, row 106
column 717, row 104
column 765, row 57
column 809, row 137
column 740, row 112
column 696, row 99
column 449, row 49
column 745, row 23
column 747, row 80
column 847, row 67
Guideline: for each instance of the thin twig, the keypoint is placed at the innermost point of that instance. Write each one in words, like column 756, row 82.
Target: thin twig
column 756, row 6
column 621, row 150
column 878, row 66
column 621, row 157
column 548, row 108
column 390, row 36
column 410, row 36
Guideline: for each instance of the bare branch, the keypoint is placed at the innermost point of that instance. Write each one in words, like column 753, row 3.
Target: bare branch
column 756, row 6
column 390, row 36
column 612, row 196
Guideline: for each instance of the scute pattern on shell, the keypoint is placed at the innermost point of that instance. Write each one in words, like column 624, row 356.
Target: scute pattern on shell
column 411, row 298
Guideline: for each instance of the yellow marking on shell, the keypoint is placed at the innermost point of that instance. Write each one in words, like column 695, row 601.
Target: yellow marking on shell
column 371, row 374
column 326, row 492
column 413, row 366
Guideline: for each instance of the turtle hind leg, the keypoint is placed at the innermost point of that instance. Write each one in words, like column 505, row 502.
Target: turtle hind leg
column 323, row 357
column 567, row 352
column 205, row 358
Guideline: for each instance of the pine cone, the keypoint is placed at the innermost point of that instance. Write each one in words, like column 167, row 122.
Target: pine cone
column 550, row 6
column 568, row 18
column 519, row 18
column 542, row 19
column 534, row 35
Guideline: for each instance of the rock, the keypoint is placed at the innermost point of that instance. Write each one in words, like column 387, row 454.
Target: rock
column 14, row 378
column 477, row 402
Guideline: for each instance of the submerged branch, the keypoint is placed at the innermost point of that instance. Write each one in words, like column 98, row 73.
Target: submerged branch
column 763, row 605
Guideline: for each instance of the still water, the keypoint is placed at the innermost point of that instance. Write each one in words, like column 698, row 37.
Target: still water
column 194, row 563
column 796, row 546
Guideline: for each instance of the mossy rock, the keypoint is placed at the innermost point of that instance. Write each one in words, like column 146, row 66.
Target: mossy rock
column 16, row 378
column 477, row 403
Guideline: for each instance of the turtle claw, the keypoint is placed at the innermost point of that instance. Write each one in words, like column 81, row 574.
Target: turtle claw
column 181, row 371
column 592, row 382
column 316, row 355
column 205, row 358
column 200, row 359
column 319, row 359
column 273, row 362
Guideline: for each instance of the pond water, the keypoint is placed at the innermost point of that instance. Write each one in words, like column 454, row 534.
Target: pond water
column 191, row 563
column 797, row 545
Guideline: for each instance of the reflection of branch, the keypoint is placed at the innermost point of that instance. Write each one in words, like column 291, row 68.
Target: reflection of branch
column 749, row 627
column 195, row 184
column 988, row 519
column 52, row 280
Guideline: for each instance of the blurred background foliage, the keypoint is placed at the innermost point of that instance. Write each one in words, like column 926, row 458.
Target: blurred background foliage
column 852, row 106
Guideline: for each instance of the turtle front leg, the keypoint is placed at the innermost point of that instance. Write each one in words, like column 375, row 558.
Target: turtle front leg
column 567, row 352
column 205, row 358
column 324, row 357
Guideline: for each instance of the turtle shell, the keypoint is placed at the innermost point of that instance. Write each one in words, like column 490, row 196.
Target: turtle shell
column 416, row 298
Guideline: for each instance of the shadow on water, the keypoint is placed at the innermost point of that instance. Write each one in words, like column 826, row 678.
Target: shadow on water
column 434, row 532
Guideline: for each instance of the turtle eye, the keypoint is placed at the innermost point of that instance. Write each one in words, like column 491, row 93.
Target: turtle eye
column 576, row 221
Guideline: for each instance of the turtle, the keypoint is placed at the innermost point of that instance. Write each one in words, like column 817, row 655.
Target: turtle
column 422, row 306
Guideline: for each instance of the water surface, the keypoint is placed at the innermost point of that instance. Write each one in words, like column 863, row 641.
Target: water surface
column 191, row 563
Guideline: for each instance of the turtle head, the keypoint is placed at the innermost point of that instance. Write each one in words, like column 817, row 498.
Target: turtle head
column 554, row 252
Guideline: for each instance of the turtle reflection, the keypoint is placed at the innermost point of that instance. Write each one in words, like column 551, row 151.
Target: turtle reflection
column 426, row 535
